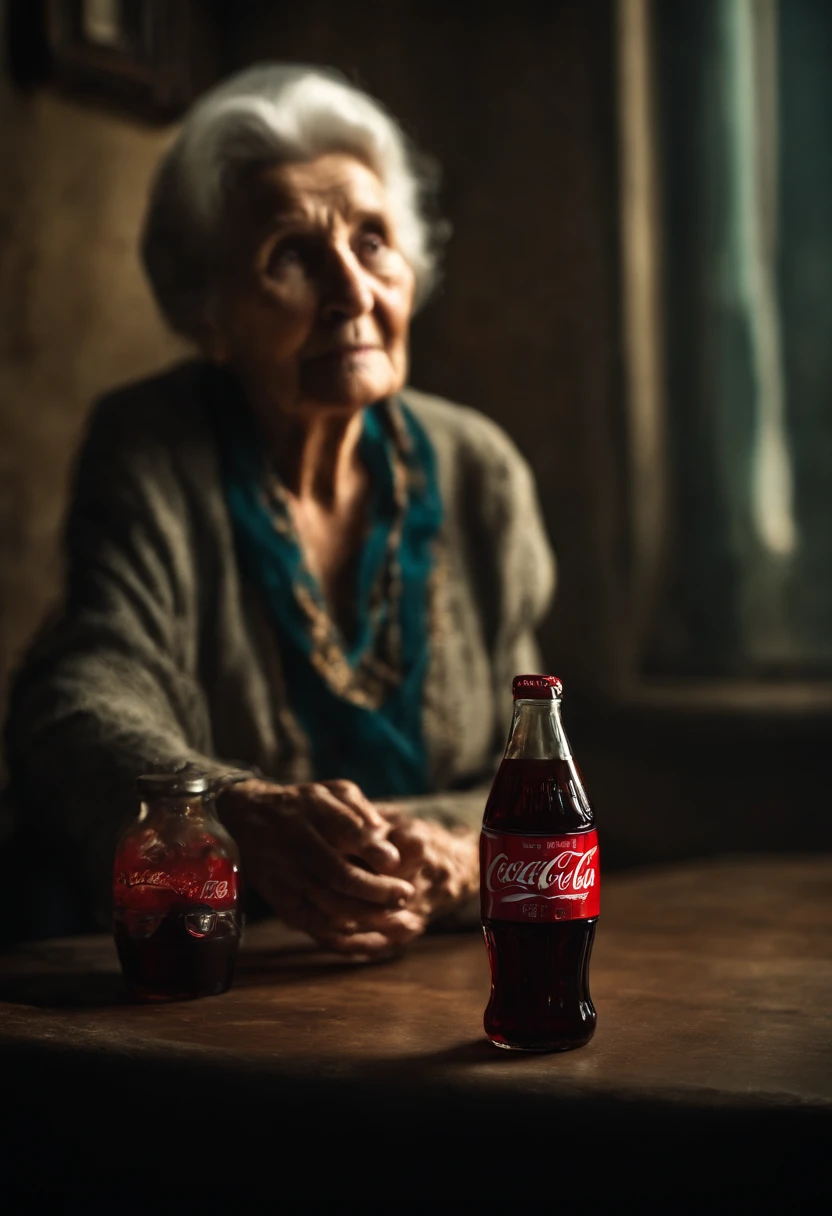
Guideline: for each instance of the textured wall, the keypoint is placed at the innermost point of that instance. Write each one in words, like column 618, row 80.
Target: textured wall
column 75, row 318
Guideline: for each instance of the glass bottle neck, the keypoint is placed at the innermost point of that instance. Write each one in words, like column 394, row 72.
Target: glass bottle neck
column 182, row 806
column 537, row 732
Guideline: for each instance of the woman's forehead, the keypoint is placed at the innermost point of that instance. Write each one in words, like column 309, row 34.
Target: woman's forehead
column 337, row 181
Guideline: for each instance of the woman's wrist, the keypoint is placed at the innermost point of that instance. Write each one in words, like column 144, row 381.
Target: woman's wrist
column 235, row 800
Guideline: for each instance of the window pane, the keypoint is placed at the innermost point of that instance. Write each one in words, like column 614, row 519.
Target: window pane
column 745, row 106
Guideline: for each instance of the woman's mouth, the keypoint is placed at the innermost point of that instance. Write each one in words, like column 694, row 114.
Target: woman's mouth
column 344, row 353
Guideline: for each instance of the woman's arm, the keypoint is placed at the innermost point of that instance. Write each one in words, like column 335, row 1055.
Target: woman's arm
column 107, row 690
column 112, row 690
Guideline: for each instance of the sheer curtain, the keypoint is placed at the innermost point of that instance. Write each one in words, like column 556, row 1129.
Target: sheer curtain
column 742, row 102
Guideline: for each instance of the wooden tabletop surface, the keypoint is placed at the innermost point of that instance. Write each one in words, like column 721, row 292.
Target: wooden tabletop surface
column 712, row 981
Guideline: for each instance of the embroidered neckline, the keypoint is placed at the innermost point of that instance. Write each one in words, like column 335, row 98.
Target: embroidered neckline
column 363, row 674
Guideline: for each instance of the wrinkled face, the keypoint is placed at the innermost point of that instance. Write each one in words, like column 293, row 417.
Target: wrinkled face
column 314, row 297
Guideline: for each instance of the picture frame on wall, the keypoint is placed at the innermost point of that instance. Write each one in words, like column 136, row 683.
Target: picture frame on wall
column 149, row 57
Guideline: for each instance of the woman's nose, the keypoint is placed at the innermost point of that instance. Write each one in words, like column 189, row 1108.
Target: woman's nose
column 346, row 287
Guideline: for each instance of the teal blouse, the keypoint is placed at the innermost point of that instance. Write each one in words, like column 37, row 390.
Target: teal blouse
column 359, row 700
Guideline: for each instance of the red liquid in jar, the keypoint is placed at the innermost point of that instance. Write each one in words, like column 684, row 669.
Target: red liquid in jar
column 177, row 917
column 187, row 952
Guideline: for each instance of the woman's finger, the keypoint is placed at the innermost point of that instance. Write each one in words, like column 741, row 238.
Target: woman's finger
column 303, row 832
column 354, row 797
column 339, row 932
column 357, row 916
column 353, row 880
column 342, row 819
column 378, row 856
column 373, row 943
column 372, row 841
column 300, row 859
column 413, row 841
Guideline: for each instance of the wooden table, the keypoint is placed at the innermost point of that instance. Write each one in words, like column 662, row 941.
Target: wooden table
column 710, row 1073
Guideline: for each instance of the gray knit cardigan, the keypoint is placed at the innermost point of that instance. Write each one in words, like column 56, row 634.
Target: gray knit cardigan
column 163, row 655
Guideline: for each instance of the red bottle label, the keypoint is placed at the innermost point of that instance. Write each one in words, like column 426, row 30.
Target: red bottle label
column 214, row 882
column 539, row 878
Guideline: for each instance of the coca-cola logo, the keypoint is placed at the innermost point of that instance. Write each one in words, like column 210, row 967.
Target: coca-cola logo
column 151, row 878
column 212, row 888
column 568, row 875
column 561, row 874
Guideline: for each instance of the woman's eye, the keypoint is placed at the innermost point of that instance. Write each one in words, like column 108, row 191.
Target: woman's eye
column 284, row 257
column 371, row 244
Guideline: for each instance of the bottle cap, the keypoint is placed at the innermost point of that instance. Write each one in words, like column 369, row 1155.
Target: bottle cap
column 536, row 688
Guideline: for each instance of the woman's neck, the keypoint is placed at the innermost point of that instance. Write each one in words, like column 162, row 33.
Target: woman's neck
column 315, row 454
column 317, row 459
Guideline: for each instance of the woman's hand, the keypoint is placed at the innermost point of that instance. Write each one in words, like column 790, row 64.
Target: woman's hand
column 322, row 857
column 441, row 863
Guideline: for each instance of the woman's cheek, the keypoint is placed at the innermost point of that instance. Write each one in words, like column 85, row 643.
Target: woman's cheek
column 286, row 317
column 399, row 306
column 288, row 297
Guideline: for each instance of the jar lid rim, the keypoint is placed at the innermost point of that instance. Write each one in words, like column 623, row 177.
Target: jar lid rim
column 160, row 785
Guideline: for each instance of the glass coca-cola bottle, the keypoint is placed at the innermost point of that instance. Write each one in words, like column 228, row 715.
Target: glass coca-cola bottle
column 539, row 882
column 177, row 892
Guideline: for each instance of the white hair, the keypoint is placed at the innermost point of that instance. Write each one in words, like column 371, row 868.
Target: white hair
column 275, row 113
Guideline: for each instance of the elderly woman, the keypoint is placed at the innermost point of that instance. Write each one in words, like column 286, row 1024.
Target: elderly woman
column 283, row 564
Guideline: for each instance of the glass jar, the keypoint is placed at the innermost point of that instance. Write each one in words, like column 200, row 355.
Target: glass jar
column 177, row 892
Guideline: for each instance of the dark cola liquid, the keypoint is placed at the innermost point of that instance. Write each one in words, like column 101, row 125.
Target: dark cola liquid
column 185, row 953
column 540, row 999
